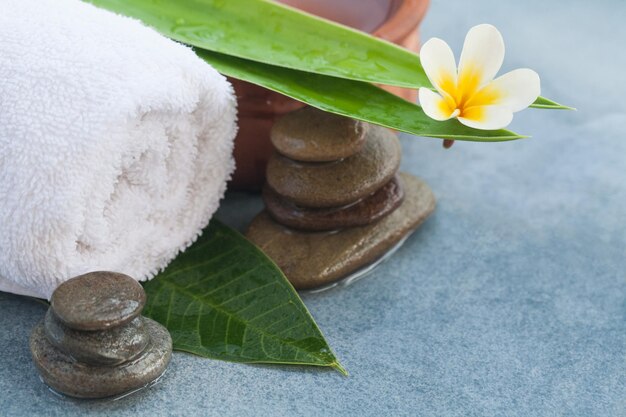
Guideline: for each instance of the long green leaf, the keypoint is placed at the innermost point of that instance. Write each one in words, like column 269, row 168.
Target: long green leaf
column 272, row 33
column 224, row 299
column 354, row 99
column 544, row 103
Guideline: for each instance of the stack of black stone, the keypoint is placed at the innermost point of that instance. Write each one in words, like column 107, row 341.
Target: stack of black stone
column 334, row 199
column 94, row 343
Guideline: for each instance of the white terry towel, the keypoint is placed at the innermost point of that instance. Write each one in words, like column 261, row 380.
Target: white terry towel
column 115, row 144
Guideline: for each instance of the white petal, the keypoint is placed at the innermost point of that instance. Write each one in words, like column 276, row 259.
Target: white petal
column 487, row 117
column 483, row 54
column 435, row 106
column 439, row 64
column 517, row 89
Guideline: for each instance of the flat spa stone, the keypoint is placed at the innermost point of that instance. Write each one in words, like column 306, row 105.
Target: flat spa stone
column 98, row 301
column 313, row 259
column 370, row 209
column 104, row 347
column 312, row 135
column 75, row 379
column 333, row 184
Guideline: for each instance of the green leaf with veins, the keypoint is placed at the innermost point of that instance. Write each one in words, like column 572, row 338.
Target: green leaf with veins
column 224, row 299
column 272, row 33
column 350, row 98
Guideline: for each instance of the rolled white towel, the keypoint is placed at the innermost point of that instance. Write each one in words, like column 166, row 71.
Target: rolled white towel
column 115, row 144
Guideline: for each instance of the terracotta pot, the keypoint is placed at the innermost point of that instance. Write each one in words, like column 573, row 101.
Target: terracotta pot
column 394, row 20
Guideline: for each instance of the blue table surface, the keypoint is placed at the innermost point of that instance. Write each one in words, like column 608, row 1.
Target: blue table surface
column 510, row 300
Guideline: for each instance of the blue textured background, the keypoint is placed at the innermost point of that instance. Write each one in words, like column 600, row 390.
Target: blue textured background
column 510, row 300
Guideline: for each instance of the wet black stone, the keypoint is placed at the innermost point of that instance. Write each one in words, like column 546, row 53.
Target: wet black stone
column 369, row 210
column 64, row 374
column 338, row 183
column 103, row 347
column 312, row 135
column 98, row 301
column 93, row 343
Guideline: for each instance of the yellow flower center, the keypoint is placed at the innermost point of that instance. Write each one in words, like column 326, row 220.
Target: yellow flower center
column 466, row 95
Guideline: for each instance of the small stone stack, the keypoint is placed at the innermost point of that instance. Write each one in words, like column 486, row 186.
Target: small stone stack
column 93, row 341
column 334, row 200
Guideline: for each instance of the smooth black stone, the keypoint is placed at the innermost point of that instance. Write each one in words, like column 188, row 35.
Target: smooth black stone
column 369, row 210
column 98, row 301
column 312, row 135
column 64, row 374
column 315, row 259
column 103, row 347
column 338, row 183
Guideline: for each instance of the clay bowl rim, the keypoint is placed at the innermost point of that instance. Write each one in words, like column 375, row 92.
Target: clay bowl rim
column 403, row 21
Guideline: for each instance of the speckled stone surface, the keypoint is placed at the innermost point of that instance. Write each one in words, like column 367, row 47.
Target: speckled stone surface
column 372, row 208
column 104, row 347
column 509, row 301
column 331, row 184
column 312, row 135
column 82, row 380
column 98, row 300
column 314, row 259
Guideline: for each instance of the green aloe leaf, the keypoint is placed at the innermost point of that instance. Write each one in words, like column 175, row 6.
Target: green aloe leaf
column 544, row 103
column 350, row 98
column 224, row 299
column 272, row 33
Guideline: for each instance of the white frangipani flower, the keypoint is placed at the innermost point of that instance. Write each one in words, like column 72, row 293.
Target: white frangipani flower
column 471, row 94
